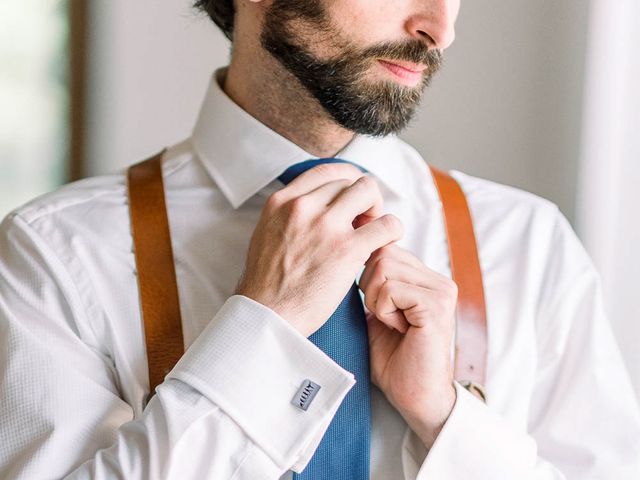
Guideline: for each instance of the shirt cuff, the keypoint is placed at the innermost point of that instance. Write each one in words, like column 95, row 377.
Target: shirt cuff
column 251, row 363
column 473, row 443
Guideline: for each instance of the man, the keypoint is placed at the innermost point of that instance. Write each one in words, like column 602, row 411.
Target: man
column 261, row 266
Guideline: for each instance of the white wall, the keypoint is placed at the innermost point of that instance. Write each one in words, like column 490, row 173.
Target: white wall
column 149, row 65
column 607, row 214
column 507, row 105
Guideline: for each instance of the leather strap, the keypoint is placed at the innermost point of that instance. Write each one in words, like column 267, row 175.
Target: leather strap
column 157, row 283
column 471, row 319
column 159, row 292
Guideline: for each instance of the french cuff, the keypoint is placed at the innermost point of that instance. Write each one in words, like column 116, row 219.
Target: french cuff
column 251, row 363
column 473, row 443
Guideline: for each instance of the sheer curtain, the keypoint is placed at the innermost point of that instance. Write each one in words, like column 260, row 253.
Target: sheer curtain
column 608, row 213
column 33, row 99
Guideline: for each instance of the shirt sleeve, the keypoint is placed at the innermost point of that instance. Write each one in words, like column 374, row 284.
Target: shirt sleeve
column 584, row 421
column 224, row 411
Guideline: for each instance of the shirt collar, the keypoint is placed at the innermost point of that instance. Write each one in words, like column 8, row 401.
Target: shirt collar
column 243, row 155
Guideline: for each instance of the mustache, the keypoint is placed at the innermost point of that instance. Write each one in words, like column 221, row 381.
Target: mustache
column 414, row 51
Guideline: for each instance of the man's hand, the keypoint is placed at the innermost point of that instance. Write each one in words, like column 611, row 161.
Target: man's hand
column 306, row 252
column 411, row 322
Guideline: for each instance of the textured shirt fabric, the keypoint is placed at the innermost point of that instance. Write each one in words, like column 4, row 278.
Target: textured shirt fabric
column 73, row 376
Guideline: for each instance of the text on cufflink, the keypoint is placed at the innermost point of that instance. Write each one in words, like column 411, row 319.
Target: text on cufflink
column 305, row 394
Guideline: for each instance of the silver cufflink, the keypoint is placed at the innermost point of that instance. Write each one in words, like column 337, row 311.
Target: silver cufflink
column 305, row 394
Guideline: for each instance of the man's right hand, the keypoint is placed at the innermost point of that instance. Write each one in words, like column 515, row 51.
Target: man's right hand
column 311, row 240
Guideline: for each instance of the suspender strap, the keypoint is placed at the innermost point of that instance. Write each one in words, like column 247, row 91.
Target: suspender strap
column 158, row 288
column 157, row 284
column 471, row 321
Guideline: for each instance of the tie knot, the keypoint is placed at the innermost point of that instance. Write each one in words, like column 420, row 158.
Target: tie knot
column 298, row 168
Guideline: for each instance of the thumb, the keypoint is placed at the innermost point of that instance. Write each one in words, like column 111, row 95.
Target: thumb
column 375, row 327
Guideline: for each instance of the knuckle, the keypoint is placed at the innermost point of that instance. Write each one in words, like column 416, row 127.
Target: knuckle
column 390, row 250
column 369, row 185
column 274, row 201
column 323, row 169
column 385, row 288
column 344, row 183
column 342, row 248
column 375, row 256
column 298, row 208
column 392, row 224
column 337, row 170
column 366, row 182
column 324, row 222
column 351, row 170
column 379, row 253
column 373, row 184
column 383, row 265
column 378, row 278
column 385, row 293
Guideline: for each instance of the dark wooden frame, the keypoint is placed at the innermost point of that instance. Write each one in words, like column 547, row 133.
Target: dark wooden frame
column 78, row 17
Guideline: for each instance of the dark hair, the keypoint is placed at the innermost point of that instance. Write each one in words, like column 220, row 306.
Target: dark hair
column 221, row 12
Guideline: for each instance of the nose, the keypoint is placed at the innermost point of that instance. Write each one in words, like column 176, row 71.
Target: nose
column 434, row 22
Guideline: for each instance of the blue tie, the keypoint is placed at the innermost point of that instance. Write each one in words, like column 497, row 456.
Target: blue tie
column 343, row 453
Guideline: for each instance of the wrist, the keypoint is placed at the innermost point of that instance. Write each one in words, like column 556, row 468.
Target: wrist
column 268, row 301
column 428, row 423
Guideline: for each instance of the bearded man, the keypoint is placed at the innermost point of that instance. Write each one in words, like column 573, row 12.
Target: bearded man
column 292, row 187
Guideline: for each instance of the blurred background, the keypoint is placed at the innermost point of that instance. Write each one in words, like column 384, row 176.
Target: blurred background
column 542, row 95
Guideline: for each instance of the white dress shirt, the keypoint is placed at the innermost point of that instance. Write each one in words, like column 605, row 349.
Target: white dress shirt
column 73, row 372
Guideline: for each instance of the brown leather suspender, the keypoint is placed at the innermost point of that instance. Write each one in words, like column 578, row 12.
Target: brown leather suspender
column 471, row 318
column 158, row 288
column 157, row 283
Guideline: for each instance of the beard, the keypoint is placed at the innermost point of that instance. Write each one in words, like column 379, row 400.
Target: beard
column 340, row 83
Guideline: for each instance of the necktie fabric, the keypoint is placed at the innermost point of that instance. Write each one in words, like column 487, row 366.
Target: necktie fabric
column 343, row 453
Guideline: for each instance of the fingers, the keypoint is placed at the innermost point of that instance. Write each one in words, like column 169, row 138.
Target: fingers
column 323, row 195
column 377, row 233
column 397, row 252
column 373, row 278
column 314, row 178
column 393, row 261
column 350, row 194
column 393, row 320
column 400, row 290
column 377, row 329
column 394, row 298
column 399, row 297
column 363, row 197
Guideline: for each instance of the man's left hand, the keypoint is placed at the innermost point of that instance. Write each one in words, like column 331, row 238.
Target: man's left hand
column 411, row 321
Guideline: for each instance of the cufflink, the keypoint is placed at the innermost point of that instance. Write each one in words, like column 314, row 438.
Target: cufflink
column 305, row 394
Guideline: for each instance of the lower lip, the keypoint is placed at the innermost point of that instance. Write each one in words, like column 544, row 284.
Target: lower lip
column 408, row 77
